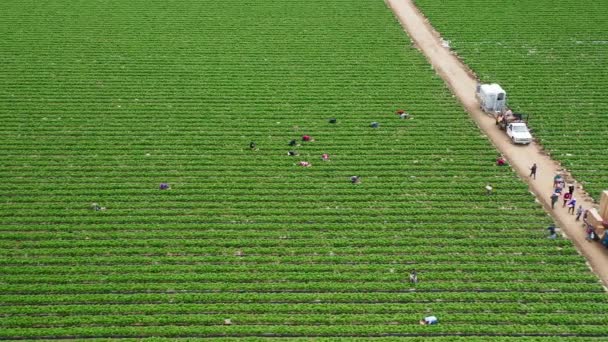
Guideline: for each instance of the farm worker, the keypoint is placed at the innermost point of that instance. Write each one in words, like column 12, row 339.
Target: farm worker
column 500, row 161
column 533, row 170
column 567, row 197
column 556, row 180
column 500, row 118
column 509, row 113
column 355, row 179
column 579, row 212
column 429, row 320
column 585, row 214
column 306, row 138
column 554, row 198
column 489, row 189
column 325, row 157
column 404, row 116
column 571, row 205
column 559, row 188
column 552, row 234
column 571, row 188
column 604, row 239
column 252, row 145
column 305, row 164
column 333, row 120
column 590, row 233
column 164, row 186
column 375, row 124
column 414, row 277
column 399, row 111
column 95, row 206
column 292, row 153
column 293, row 142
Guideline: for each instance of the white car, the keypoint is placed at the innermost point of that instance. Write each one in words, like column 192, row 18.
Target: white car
column 519, row 133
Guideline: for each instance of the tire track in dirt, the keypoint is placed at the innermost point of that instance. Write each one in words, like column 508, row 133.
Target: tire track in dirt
column 462, row 81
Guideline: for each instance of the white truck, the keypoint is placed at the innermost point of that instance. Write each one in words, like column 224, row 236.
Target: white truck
column 493, row 100
column 518, row 132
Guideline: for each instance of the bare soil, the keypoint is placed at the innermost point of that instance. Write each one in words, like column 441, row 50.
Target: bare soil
column 462, row 81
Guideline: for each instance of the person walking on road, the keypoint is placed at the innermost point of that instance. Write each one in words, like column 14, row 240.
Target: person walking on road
column 590, row 233
column 533, row 170
column 557, row 180
column 571, row 188
column 567, row 197
column 571, row 205
column 579, row 212
column 554, row 198
column 559, row 187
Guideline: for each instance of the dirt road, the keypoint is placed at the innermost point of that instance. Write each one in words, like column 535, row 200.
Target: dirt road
column 462, row 83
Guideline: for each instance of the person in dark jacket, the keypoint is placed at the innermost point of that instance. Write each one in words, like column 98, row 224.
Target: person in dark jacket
column 533, row 170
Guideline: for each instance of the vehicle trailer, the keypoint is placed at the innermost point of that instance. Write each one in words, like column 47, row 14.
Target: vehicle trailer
column 493, row 100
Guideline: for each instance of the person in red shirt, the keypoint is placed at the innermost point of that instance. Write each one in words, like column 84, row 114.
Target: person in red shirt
column 500, row 161
column 567, row 196
column 306, row 138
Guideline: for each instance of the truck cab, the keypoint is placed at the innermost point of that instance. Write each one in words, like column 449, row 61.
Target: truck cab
column 518, row 133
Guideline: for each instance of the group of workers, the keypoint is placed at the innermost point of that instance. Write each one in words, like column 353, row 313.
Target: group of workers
column 559, row 184
column 325, row 156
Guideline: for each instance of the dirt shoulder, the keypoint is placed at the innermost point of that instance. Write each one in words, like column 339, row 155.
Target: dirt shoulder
column 462, row 83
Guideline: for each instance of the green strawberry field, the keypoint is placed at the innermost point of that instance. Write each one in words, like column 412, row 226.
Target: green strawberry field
column 104, row 101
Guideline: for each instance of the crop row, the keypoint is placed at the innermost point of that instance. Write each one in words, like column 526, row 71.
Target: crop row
column 176, row 257
column 283, row 330
column 299, row 309
column 445, row 270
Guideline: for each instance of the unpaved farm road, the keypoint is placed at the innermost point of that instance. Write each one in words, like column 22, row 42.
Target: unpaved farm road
column 462, row 83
